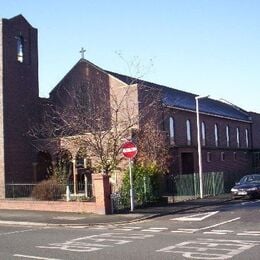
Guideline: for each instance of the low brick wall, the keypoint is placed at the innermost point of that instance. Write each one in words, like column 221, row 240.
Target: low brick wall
column 101, row 205
column 58, row 206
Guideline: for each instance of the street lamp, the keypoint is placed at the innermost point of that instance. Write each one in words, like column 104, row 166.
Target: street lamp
column 199, row 143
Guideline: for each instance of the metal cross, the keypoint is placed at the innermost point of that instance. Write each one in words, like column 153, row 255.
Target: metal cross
column 82, row 51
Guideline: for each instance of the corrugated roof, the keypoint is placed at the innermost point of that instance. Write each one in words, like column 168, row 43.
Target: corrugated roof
column 185, row 100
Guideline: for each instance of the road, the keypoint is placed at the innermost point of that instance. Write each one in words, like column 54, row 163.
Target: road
column 229, row 231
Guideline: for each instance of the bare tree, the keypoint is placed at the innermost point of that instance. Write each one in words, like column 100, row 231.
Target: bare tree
column 153, row 146
column 97, row 116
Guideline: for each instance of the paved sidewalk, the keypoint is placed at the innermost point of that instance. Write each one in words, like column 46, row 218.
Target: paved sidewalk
column 39, row 218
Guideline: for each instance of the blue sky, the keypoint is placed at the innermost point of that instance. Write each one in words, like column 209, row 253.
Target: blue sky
column 200, row 46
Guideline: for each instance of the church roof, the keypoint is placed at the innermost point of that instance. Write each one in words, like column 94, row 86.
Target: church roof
column 184, row 100
column 176, row 98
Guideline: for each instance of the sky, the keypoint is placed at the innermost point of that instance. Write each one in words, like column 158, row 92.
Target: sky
column 206, row 47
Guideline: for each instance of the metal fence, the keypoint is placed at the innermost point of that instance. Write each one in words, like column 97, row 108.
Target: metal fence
column 189, row 184
column 25, row 190
column 19, row 190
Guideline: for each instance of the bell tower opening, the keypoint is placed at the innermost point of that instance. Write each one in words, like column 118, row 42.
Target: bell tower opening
column 20, row 48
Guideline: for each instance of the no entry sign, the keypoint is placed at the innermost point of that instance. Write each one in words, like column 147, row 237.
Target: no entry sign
column 129, row 149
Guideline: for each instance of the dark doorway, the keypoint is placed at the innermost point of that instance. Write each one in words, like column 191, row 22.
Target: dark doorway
column 44, row 166
column 187, row 162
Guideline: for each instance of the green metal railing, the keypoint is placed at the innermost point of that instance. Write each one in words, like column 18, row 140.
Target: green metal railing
column 188, row 184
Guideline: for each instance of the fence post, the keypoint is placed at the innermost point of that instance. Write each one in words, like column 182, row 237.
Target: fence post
column 86, row 185
column 213, row 183
column 145, row 189
column 195, row 184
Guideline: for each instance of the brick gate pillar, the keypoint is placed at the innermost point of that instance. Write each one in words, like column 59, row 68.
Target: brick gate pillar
column 102, row 193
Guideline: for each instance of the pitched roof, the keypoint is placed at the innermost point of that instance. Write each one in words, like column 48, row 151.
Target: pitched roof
column 185, row 100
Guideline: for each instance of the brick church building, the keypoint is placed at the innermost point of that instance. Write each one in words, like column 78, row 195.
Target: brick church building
column 230, row 136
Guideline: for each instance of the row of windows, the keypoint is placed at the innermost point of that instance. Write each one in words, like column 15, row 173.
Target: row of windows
column 203, row 134
column 223, row 156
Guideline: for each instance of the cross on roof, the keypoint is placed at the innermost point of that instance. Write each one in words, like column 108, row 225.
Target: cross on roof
column 82, row 51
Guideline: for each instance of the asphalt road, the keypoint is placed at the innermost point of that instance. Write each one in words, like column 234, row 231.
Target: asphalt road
column 230, row 231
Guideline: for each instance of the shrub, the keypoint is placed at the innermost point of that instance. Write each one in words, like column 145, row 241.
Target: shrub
column 146, row 183
column 48, row 190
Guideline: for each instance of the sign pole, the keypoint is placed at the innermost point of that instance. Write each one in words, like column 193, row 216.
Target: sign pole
column 129, row 151
column 131, row 185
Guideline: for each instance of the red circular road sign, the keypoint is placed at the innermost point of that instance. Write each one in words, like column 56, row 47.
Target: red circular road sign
column 129, row 150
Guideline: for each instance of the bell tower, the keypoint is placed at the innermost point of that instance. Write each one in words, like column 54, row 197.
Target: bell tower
column 19, row 94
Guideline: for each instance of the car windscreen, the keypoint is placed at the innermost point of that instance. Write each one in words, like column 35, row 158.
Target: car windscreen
column 250, row 179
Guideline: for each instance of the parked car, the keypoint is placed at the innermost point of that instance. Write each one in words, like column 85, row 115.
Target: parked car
column 248, row 186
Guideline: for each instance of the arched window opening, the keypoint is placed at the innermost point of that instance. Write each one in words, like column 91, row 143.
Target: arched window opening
column 238, row 137
column 227, row 136
column 172, row 130
column 216, row 134
column 188, row 132
column 203, row 133
column 20, row 49
column 247, row 138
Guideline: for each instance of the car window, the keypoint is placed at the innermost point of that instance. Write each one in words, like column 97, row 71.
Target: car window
column 250, row 179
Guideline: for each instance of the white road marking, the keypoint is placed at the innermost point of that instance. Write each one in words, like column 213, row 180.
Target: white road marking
column 99, row 228
column 16, row 232
column 190, row 230
column 249, row 233
column 219, row 224
column 196, row 217
column 96, row 242
column 35, row 257
column 127, row 228
column 210, row 248
column 185, row 230
column 218, row 232
column 123, row 229
column 68, row 218
column 155, row 229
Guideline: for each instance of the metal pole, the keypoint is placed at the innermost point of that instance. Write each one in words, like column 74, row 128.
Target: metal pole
column 131, row 186
column 86, row 185
column 199, row 147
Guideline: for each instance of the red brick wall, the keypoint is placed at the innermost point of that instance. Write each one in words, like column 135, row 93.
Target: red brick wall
column 102, row 204
column 20, row 95
column 242, row 162
column 256, row 130
column 57, row 206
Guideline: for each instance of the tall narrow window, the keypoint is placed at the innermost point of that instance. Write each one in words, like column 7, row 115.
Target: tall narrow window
column 188, row 131
column 216, row 134
column 227, row 136
column 172, row 132
column 247, row 139
column 209, row 157
column 238, row 137
column 203, row 133
column 20, row 49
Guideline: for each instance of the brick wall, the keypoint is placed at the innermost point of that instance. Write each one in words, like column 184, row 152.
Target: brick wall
column 222, row 158
column 2, row 163
column 102, row 204
column 256, row 130
column 20, row 95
